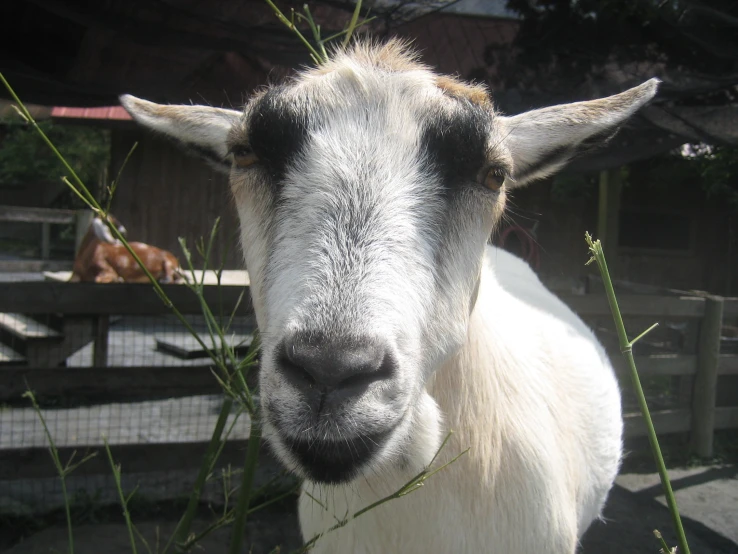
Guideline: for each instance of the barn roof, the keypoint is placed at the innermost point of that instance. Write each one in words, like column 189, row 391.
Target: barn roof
column 103, row 113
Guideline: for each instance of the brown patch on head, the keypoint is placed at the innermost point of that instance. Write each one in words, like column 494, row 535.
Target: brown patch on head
column 397, row 56
column 476, row 94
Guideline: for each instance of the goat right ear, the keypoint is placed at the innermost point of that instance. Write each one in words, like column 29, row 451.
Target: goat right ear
column 201, row 129
column 543, row 141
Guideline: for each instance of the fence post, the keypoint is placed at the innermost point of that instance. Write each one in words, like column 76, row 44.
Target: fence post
column 45, row 240
column 100, row 346
column 705, row 382
column 81, row 224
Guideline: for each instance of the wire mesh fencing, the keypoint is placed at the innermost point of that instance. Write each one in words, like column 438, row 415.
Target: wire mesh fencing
column 142, row 383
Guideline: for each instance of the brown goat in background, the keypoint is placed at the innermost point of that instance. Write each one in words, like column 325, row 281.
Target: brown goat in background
column 101, row 258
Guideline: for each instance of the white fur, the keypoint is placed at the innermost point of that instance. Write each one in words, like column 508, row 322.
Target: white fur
column 538, row 470
column 361, row 236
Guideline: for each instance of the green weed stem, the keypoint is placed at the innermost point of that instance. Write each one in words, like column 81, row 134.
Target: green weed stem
column 182, row 531
column 123, row 499
column 247, row 483
column 626, row 348
column 60, row 469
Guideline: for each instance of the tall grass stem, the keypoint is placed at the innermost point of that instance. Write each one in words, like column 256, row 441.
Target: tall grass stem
column 626, row 348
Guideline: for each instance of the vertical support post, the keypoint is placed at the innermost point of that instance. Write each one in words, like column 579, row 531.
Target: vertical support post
column 705, row 382
column 45, row 240
column 611, row 184
column 100, row 347
column 602, row 207
column 691, row 347
column 83, row 220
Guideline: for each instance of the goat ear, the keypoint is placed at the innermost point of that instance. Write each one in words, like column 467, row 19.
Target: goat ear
column 543, row 141
column 200, row 129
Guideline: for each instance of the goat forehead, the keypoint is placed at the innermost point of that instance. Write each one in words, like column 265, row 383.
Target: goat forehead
column 366, row 118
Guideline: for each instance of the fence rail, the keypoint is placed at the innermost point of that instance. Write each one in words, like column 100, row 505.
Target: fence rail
column 698, row 367
column 47, row 217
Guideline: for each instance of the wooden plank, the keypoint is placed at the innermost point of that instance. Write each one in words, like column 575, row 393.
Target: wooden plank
column 119, row 384
column 26, row 328
column 34, row 266
column 635, row 305
column 113, row 298
column 703, row 395
column 35, row 463
column 81, row 225
column 657, row 364
column 229, row 277
column 45, row 241
column 36, row 215
column 101, row 329
column 664, row 421
column 611, row 184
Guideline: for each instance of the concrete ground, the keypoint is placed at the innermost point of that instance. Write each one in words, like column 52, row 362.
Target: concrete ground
column 708, row 499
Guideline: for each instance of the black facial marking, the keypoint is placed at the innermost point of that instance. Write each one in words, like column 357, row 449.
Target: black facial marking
column 555, row 156
column 564, row 154
column 456, row 143
column 208, row 154
column 276, row 132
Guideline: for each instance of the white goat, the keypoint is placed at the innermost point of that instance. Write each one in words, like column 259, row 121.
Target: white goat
column 367, row 189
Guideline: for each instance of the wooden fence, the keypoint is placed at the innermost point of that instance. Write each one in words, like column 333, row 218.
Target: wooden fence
column 698, row 366
column 46, row 217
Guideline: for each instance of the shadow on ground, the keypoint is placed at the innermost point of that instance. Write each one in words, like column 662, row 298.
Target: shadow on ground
column 630, row 518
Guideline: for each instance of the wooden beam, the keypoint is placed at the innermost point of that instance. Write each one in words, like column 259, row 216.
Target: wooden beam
column 101, row 328
column 93, row 385
column 602, row 207
column 36, row 215
column 704, row 393
column 664, row 421
column 35, row 463
column 45, row 240
column 611, row 184
column 81, row 225
column 34, row 266
column 658, row 364
column 635, row 305
column 114, row 298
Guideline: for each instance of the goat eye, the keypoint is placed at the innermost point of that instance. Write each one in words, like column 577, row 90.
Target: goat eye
column 494, row 178
column 243, row 156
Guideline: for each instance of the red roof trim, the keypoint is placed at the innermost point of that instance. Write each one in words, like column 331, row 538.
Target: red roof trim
column 116, row 113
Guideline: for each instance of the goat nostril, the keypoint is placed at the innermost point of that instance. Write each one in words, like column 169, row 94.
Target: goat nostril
column 383, row 372
column 307, row 361
column 293, row 370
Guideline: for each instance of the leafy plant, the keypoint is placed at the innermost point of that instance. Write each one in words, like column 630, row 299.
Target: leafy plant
column 26, row 161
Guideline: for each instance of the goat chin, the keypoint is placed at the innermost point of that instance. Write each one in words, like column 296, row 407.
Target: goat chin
column 540, row 414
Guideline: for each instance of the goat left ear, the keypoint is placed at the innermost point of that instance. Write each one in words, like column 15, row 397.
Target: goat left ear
column 200, row 129
column 543, row 141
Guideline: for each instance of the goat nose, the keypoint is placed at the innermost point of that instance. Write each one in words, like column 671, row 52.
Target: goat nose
column 309, row 360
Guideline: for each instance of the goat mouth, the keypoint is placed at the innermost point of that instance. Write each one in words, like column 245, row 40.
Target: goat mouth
column 334, row 462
